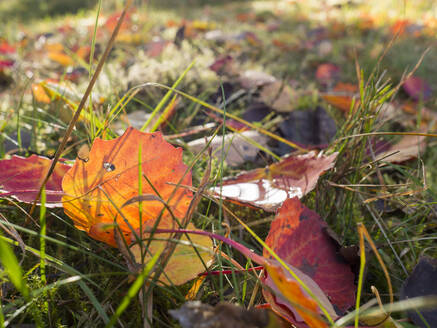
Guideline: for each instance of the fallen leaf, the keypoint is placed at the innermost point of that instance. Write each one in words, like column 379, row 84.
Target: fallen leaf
column 6, row 48
column 310, row 128
column 407, row 148
column 254, row 79
column 5, row 63
column 298, row 236
column 342, row 96
column 398, row 27
column 418, row 89
column 284, row 287
column 22, row 178
column 256, row 112
column 222, row 65
column 237, row 148
column 422, row 282
column 197, row 315
column 40, row 94
column 96, row 190
column 279, row 96
column 269, row 187
column 190, row 257
column 290, row 301
column 60, row 58
column 155, row 48
column 327, row 73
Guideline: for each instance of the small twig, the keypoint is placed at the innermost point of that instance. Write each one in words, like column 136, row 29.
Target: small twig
column 82, row 104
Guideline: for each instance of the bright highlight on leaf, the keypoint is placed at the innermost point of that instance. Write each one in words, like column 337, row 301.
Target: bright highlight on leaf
column 269, row 187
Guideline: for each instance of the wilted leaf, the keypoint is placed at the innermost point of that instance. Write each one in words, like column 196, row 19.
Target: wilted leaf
column 284, row 290
column 342, row 96
column 298, row 236
column 256, row 112
column 96, row 190
column 253, row 79
column 407, row 148
column 237, row 148
column 60, row 58
column 327, row 73
column 6, row 48
column 308, row 128
column 422, row 282
column 279, row 96
column 223, row 315
column 6, row 63
column 22, row 178
column 417, row 88
column 184, row 263
column 269, row 187
column 289, row 299
column 222, row 65
column 40, row 94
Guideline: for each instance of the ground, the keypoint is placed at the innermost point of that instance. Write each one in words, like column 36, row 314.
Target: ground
column 318, row 73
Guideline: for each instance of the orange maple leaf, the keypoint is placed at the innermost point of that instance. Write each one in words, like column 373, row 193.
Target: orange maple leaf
column 97, row 190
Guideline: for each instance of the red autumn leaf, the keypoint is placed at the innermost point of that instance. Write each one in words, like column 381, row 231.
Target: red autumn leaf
column 417, row 88
column 342, row 96
column 22, row 177
column 269, row 187
column 288, row 299
column 155, row 48
column 111, row 21
column 221, row 64
column 398, row 28
column 6, row 63
column 6, row 48
column 286, row 295
column 327, row 73
column 298, row 236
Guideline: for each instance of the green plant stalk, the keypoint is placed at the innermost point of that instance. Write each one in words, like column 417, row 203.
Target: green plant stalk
column 42, row 240
column 160, row 120
column 167, row 96
column 2, row 317
column 12, row 268
column 220, row 173
column 133, row 290
column 59, row 265
column 42, row 246
column 360, row 280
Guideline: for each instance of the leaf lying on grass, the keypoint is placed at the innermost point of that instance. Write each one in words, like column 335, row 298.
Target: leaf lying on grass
column 223, row 315
column 22, row 177
column 422, row 282
column 299, row 287
column 269, row 187
column 299, row 237
column 407, row 148
column 103, row 192
column 96, row 190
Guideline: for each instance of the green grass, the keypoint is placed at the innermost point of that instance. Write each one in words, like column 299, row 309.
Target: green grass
column 57, row 275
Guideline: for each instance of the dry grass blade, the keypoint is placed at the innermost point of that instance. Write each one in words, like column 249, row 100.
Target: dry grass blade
column 82, row 102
